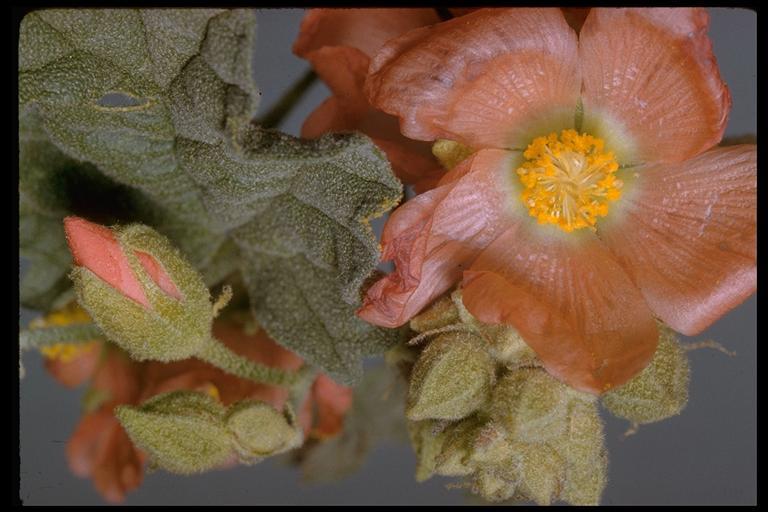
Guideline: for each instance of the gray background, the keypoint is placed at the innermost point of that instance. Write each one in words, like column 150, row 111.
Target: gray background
column 707, row 455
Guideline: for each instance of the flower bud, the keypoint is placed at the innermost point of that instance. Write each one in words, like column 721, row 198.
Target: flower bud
column 139, row 290
column 427, row 441
column 495, row 483
column 531, row 405
column 541, row 471
column 458, row 440
column 451, row 379
column 504, row 342
column 440, row 314
column 260, row 431
column 182, row 431
column 582, row 448
column 659, row 391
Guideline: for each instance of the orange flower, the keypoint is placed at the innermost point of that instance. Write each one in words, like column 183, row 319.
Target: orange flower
column 339, row 43
column 594, row 199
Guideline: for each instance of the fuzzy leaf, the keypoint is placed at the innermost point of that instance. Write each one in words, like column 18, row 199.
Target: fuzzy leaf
column 124, row 89
column 161, row 101
column 298, row 212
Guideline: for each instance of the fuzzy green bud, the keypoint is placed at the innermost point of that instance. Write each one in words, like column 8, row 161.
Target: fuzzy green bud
column 450, row 153
column 531, row 405
column 427, row 441
column 451, row 379
column 440, row 314
column 541, row 471
column 504, row 342
column 139, row 290
column 582, row 448
column 260, row 431
column 454, row 457
column 659, row 391
column 182, row 431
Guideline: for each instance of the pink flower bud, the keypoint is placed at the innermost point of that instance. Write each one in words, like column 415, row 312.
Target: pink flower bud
column 96, row 248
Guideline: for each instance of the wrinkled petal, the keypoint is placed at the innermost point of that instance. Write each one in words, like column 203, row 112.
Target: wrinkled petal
column 687, row 236
column 490, row 79
column 570, row 301
column 652, row 88
column 364, row 29
column 332, row 401
column 96, row 248
column 435, row 236
column 87, row 443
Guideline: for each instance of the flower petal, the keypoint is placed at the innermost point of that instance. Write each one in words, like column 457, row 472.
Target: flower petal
column 95, row 247
column 435, row 236
column 344, row 70
column 570, row 301
column 364, row 29
column 72, row 373
column 688, row 236
column 332, row 401
column 490, row 79
column 652, row 88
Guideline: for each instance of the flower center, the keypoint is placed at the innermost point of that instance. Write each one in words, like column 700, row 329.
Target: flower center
column 569, row 180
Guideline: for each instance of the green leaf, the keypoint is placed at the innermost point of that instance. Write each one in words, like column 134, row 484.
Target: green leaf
column 162, row 101
column 181, row 74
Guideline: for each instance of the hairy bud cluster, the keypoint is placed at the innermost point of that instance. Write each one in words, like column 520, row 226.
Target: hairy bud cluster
column 481, row 406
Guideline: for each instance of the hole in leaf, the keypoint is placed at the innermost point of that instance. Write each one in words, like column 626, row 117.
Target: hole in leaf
column 121, row 100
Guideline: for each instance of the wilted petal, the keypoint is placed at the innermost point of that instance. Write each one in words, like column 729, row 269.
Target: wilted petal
column 687, row 236
column 493, row 78
column 570, row 301
column 652, row 88
column 435, row 236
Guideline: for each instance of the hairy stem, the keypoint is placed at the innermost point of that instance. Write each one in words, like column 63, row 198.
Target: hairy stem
column 288, row 101
column 75, row 333
column 217, row 354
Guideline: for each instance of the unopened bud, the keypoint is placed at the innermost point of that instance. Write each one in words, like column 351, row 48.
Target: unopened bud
column 659, row 391
column 182, row 431
column 504, row 342
column 494, row 483
column 139, row 290
column 427, row 441
column 451, row 379
column 260, row 431
column 541, row 471
column 459, row 438
column 531, row 405
column 440, row 314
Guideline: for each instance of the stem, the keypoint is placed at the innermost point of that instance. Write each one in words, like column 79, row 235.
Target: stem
column 217, row 354
column 285, row 104
column 76, row 333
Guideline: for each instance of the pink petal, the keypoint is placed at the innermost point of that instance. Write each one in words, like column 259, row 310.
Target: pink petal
column 96, row 248
column 651, row 83
column 489, row 79
column 435, row 236
column 687, row 236
column 570, row 301
column 332, row 401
